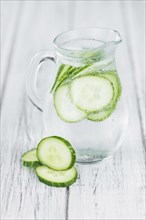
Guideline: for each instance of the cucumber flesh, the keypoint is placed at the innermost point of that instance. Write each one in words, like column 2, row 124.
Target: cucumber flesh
column 56, row 153
column 56, row 178
column 29, row 159
column 64, row 107
column 91, row 93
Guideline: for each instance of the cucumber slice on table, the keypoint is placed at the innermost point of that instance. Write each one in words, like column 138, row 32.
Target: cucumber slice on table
column 56, row 153
column 56, row 178
column 91, row 93
column 102, row 115
column 65, row 109
column 30, row 159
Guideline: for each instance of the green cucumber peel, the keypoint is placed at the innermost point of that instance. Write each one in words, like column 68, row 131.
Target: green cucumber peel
column 100, row 116
column 114, row 79
column 31, row 164
column 62, row 69
column 64, row 107
column 62, row 178
column 66, row 73
column 29, row 159
column 51, row 152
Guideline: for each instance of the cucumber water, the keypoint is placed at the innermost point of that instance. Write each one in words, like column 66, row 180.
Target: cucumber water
column 88, row 88
column 85, row 103
column 85, row 93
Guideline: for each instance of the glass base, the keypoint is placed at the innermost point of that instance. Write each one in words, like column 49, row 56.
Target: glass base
column 85, row 157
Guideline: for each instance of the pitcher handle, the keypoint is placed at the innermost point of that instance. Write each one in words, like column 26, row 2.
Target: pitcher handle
column 31, row 87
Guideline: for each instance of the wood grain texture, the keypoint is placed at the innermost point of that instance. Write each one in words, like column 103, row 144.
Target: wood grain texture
column 134, row 17
column 110, row 192
column 26, row 197
column 114, row 189
column 9, row 26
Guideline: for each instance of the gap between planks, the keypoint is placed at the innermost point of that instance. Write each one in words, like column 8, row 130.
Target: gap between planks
column 7, row 72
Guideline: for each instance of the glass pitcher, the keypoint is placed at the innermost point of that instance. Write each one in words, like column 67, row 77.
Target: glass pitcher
column 85, row 103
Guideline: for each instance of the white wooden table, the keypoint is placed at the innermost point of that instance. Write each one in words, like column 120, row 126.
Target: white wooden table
column 116, row 188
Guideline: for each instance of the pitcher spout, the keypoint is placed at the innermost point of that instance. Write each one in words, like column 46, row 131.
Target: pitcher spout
column 113, row 37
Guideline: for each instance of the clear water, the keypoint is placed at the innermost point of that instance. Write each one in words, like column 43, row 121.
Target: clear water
column 83, row 51
column 82, row 44
column 92, row 141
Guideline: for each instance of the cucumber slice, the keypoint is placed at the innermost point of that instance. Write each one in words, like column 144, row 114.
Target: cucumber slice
column 91, row 93
column 100, row 116
column 94, row 68
column 114, row 79
column 56, row 178
column 65, row 76
column 29, row 159
column 65, row 73
column 65, row 109
column 61, row 71
column 78, row 71
column 56, row 153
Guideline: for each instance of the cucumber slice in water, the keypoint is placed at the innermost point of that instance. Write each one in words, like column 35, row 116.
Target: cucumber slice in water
column 65, row 73
column 77, row 71
column 114, row 79
column 29, row 159
column 102, row 115
column 56, row 153
column 91, row 93
column 65, row 109
column 56, row 178
column 61, row 71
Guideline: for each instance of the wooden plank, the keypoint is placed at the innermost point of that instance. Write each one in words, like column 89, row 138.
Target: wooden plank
column 10, row 11
column 114, row 189
column 23, row 196
column 134, row 17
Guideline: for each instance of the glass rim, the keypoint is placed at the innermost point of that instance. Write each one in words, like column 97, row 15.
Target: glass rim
column 118, row 39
